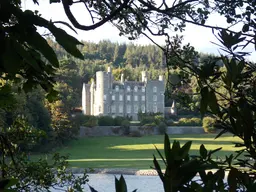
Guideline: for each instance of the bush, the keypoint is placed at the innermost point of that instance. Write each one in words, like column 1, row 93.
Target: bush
column 189, row 122
column 162, row 128
column 125, row 126
column 147, row 120
column 170, row 122
column 135, row 134
column 106, row 121
column 90, row 121
column 159, row 119
column 118, row 120
column 208, row 125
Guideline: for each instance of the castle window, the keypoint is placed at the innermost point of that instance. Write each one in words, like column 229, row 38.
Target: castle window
column 120, row 108
column 117, row 88
column 143, row 89
column 154, row 97
column 105, row 97
column 155, row 109
column 128, row 109
column 99, row 109
column 128, row 88
column 143, row 108
column 120, row 97
column 113, row 108
column 128, row 97
column 135, row 108
column 113, row 97
column 154, row 89
column 135, row 88
column 135, row 97
column 143, row 98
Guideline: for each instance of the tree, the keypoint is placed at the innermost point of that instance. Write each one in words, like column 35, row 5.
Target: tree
column 27, row 57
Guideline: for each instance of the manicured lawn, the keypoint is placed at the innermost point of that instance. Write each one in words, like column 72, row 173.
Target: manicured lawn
column 131, row 152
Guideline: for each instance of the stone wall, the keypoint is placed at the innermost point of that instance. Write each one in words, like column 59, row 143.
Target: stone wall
column 117, row 131
column 185, row 130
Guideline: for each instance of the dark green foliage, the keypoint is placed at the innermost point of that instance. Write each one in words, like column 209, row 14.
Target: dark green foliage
column 16, row 144
column 118, row 121
column 151, row 118
column 105, row 121
column 179, row 168
column 125, row 126
column 208, row 124
column 147, row 120
column 162, row 128
column 25, row 55
column 89, row 121
column 227, row 89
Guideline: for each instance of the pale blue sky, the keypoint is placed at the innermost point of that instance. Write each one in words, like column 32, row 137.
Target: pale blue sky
column 199, row 37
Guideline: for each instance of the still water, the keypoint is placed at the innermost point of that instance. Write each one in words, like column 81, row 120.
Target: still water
column 106, row 183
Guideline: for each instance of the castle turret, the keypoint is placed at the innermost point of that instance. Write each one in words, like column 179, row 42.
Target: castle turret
column 99, row 94
column 83, row 99
column 122, row 78
column 92, row 91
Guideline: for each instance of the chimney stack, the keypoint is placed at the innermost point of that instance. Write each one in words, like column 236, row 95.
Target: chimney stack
column 122, row 78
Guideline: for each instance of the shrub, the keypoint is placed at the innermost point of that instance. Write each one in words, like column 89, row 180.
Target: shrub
column 91, row 121
column 118, row 120
column 147, row 120
column 208, row 124
column 189, row 122
column 125, row 126
column 135, row 134
column 162, row 128
column 170, row 122
column 105, row 121
column 196, row 121
column 159, row 119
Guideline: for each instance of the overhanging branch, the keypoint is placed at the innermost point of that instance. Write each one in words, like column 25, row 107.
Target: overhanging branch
column 73, row 20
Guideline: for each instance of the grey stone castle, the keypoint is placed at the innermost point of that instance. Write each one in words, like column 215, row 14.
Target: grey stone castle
column 107, row 97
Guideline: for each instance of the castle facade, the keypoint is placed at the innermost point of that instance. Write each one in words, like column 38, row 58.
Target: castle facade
column 107, row 97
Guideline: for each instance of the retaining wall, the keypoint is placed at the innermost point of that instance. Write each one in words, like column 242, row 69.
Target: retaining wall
column 117, row 131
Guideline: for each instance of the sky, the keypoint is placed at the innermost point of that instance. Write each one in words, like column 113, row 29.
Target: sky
column 201, row 38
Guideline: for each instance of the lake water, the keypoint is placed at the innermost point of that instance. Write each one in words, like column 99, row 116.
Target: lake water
column 106, row 183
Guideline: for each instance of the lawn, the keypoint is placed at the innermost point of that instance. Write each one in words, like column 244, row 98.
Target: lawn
column 131, row 152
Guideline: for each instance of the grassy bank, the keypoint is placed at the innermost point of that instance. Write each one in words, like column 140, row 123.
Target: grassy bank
column 130, row 152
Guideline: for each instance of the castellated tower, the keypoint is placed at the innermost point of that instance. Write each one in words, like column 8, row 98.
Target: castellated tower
column 92, row 93
column 83, row 99
column 103, row 88
column 86, row 99
column 99, row 93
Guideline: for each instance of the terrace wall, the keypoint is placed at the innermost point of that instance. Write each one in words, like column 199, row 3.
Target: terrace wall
column 117, row 131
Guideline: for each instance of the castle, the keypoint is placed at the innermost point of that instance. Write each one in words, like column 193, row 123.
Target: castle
column 107, row 97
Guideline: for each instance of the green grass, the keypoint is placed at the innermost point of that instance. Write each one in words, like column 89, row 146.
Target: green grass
column 131, row 152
